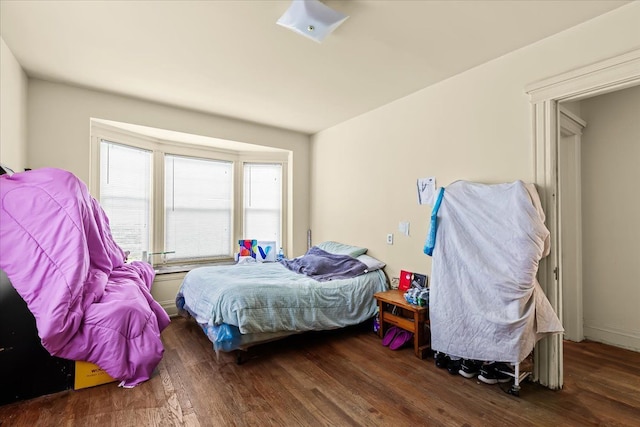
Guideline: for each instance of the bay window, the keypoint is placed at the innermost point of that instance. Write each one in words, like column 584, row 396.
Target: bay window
column 179, row 204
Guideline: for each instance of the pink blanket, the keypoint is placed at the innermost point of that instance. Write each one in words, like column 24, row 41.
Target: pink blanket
column 57, row 249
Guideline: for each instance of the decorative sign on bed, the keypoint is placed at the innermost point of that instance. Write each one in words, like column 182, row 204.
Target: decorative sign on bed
column 266, row 251
column 260, row 250
column 248, row 247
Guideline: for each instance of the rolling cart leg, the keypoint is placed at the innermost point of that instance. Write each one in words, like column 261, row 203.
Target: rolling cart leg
column 515, row 388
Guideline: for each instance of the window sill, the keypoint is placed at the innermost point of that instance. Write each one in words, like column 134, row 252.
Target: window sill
column 185, row 268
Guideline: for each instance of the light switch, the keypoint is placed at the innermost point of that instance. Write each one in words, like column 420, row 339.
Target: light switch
column 403, row 227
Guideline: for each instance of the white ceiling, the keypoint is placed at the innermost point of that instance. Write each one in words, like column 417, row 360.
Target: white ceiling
column 230, row 58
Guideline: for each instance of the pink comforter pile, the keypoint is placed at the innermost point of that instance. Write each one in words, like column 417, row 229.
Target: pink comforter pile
column 89, row 304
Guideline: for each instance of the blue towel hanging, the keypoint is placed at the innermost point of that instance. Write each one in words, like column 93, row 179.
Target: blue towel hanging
column 433, row 228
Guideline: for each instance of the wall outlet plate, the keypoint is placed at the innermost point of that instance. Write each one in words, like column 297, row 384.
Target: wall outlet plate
column 390, row 239
column 403, row 227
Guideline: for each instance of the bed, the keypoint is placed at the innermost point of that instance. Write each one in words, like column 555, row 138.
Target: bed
column 242, row 305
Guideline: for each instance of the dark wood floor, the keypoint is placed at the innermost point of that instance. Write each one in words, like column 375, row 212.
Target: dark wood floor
column 340, row 378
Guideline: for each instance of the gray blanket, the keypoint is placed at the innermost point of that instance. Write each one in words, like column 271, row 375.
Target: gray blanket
column 322, row 266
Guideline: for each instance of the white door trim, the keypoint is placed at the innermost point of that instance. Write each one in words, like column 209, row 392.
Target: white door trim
column 605, row 76
column 570, row 224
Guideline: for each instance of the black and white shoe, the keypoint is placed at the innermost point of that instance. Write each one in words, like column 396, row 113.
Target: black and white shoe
column 454, row 366
column 470, row 368
column 494, row 373
column 442, row 360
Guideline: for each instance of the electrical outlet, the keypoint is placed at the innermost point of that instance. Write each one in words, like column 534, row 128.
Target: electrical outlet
column 390, row 239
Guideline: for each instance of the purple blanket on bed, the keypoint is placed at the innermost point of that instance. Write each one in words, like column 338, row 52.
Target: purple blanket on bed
column 322, row 266
column 57, row 249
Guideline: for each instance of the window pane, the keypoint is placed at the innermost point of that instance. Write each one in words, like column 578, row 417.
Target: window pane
column 125, row 195
column 198, row 208
column 263, row 201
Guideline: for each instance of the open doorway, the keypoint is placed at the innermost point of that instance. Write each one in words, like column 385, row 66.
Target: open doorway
column 598, row 173
column 606, row 76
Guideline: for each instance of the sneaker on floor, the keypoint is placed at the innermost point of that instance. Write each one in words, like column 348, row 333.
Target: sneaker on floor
column 442, row 360
column 454, row 366
column 494, row 373
column 470, row 368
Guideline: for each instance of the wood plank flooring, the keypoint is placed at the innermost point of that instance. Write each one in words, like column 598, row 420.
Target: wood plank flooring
column 338, row 378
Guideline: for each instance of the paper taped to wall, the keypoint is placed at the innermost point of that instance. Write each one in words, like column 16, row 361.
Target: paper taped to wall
column 426, row 190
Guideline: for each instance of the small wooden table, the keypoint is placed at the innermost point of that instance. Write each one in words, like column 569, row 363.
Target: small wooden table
column 409, row 317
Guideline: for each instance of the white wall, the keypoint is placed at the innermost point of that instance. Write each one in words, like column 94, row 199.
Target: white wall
column 475, row 126
column 13, row 111
column 59, row 136
column 610, row 150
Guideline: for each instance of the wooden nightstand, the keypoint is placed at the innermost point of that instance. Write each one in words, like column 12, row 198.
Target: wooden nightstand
column 407, row 316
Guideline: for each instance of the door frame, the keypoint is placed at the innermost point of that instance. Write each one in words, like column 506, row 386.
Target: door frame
column 612, row 74
column 570, row 224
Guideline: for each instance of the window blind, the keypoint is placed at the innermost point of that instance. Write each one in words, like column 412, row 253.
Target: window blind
column 125, row 195
column 198, row 208
column 263, row 201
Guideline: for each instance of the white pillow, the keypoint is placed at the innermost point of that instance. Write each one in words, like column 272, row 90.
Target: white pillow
column 341, row 249
column 371, row 263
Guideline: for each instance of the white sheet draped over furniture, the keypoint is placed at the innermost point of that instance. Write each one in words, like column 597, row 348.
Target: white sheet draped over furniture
column 485, row 301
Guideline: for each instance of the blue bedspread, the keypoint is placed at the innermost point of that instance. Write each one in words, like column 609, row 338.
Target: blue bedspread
column 270, row 298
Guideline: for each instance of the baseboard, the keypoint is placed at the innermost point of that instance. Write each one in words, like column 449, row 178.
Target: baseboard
column 623, row 339
column 170, row 307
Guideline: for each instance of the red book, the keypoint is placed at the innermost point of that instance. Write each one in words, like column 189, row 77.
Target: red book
column 405, row 280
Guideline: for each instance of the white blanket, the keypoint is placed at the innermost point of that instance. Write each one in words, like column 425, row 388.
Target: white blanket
column 485, row 301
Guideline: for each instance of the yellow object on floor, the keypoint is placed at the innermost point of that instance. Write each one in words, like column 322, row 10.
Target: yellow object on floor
column 88, row 375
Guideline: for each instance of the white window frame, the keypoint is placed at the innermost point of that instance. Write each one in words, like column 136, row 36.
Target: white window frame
column 101, row 131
